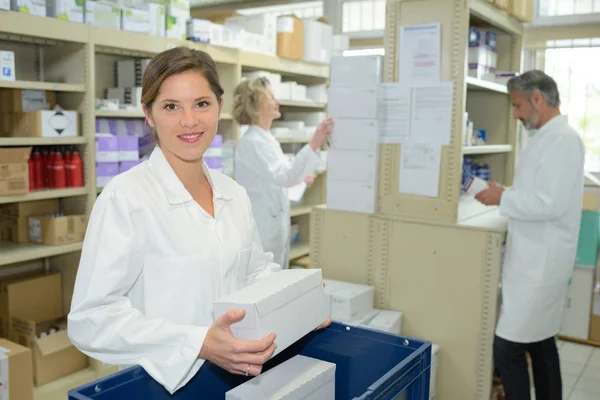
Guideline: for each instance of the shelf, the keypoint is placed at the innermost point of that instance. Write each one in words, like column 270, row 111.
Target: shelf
column 45, row 29
column 291, row 140
column 114, row 41
column 488, row 13
column 57, row 87
column 302, row 104
column 297, row 211
column 481, row 85
column 42, row 141
column 44, row 194
column 119, row 114
column 11, row 252
column 487, row 149
column 299, row 250
column 255, row 61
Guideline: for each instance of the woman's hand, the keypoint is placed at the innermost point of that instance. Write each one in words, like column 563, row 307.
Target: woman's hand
column 310, row 180
column 326, row 323
column 321, row 134
column 241, row 357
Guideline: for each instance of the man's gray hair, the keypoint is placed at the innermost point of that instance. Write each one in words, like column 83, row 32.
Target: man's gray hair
column 536, row 80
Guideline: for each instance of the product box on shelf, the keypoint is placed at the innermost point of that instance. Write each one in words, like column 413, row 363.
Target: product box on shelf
column 158, row 20
column 24, row 100
column 226, row 36
column 344, row 71
column 4, row 4
column 129, row 149
column 30, row 295
column 482, row 55
column 67, row 10
column 290, row 37
column 46, row 123
column 259, row 32
column 54, row 356
column 14, row 218
column 199, row 30
column 176, row 27
column 313, row 378
column 125, row 166
column 16, row 371
column 318, row 40
column 341, row 43
column 33, row 7
column 7, row 66
column 521, row 9
column 178, row 8
column 386, row 321
column 105, row 172
column 107, row 148
column 14, row 178
column 106, row 15
column 125, row 95
column 130, row 72
column 289, row 303
column 135, row 20
column 57, row 230
column 577, row 308
column 348, row 300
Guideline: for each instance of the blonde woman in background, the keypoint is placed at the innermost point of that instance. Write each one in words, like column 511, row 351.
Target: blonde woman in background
column 262, row 168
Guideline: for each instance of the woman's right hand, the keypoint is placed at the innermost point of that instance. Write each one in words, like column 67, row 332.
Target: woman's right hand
column 321, row 134
column 241, row 357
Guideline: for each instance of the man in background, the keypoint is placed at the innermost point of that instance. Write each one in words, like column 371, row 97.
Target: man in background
column 544, row 213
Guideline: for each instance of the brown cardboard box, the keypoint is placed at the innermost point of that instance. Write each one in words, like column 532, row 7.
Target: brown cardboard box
column 591, row 201
column 215, row 17
column 14, row 171
column 24, row 100
column 47, row 123
column 7, row 123
column 16, row 370
column 595, row 320
column 521, row 10
column 33, row 296
column 14, row 218
column 57, row 230
column 54, row 356
column 290, row 37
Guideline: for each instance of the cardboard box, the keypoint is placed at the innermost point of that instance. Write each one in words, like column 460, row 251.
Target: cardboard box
column 387, row 321
column 67, row 10
column 199, row 30
column 591, row 202
column 158, row 20
column 54, row 356
column 22, row 100
column 130, row 72
column 318, row 40
column 34, row 296
column 16, row 371
column 289, row 303
column 356, row 71
column 348, row 300
column 57, row 230
column 107, row 148
column 135, row 20
column 595, row 318
column 105, row 172
column 577, row 307
column 521, row 10
column 47, row 123
column 33, row 7
column 14, row 218
column 14, row 171
column 7, row 66
column 313, row 379
column 4, row 4
column 106, row 15
column 290, row 37
column 435, row 360
column 7, row 123
column 129, row 149
column 176, row 27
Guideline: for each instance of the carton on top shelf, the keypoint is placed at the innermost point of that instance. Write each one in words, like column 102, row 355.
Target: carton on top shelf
column 14, row 171
column 24, row 100
column 52, row 230
column 46, row 123
column 290, row 37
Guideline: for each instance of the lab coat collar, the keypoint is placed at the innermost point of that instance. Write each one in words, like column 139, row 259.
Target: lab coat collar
column 262, row 134
column 553, row 123
column 175, row 191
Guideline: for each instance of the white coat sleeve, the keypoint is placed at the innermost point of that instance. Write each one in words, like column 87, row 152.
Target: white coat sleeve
column 268, row 163
column 103, row 323
column 260, row 263
column 548, row 199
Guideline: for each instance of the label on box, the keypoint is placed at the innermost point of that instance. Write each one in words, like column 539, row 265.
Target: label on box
column 285, row 25
column 7, row 66
column 33, row 100
column 35, row 230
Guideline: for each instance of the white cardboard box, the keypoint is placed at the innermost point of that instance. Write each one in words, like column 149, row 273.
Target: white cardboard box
column 158, row 19
column 435, row 354
column 299, row 378
column 348, row 300
column 33, row 7
column 318, row 41
column 135, row 20
column 352, row 102
column 199, row 30
column 176, row 27
column 7, row 66
column 66, row 10
column 289, row 303
column 356, row 71
column 106, row 15
column 575, row 321
column 387, row 321
column 4, row 4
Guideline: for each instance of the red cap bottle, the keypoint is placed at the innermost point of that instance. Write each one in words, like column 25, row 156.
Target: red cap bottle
column 75, row 170
column 58, row 167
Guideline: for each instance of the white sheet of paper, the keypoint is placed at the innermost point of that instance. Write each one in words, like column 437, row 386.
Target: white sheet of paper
column 352, row 102
column 420, row 169
column 351, row 196
column 419, row 54
column 431, row 116
column 352, row 166
column 296, row 192
column 394, row 112
column 354, row 134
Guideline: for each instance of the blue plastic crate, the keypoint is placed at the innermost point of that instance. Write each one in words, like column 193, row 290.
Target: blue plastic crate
column 369, row 365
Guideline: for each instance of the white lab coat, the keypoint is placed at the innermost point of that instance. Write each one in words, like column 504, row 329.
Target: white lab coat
column 544, row 211
column 152, row 263
column 266, row 173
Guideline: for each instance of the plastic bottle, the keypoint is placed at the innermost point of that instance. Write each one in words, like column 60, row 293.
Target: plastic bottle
column 31, row 168
column 59, row 174
column 75, row 170
column 38, row 167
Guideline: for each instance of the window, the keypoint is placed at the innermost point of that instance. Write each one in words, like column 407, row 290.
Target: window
column 364, row 15
column 551, row 8
column 575, row 70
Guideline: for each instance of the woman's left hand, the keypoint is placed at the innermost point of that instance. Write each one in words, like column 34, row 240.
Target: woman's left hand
column 310, row 180
column 326, row 323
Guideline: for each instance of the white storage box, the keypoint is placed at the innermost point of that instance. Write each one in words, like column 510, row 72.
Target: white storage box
column 299, row 378
column 199, row 30
column 7, row 66
column 386, row 321
column 4, row 4
column 318, row 41
column 158, row 20
column 353, row 102
column 356, row 71
column 435, row 355
column 176, row 27
column 33, row 7
column 135, row 20
column 66, row 10
column 317, row 93
column 363, row 318
column 106, row 15
column 289, row 303
column 349, row 300
column 341, row 43
column 577, row 309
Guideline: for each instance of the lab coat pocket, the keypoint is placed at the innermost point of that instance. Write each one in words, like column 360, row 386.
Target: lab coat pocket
column 526, row 258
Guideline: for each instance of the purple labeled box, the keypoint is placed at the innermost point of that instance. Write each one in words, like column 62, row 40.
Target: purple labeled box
column 129, row 148
column 214, row 162
column 127, row 165
column 107, row 148
column 105, row 172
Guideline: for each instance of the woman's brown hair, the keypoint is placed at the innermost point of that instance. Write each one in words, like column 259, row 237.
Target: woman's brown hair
column 245, row 100
column 176, row 61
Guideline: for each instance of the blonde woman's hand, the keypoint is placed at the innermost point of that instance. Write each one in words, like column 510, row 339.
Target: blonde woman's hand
column 321, row 134
column 241, row 357
column 309, row 180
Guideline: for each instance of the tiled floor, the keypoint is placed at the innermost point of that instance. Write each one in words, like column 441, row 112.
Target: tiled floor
column 580, row 367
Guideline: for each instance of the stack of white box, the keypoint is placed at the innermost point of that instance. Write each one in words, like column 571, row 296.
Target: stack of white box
column 353, row 157
column 178, row 13
column 483, row 58
column 128, row 75
column 258, row 32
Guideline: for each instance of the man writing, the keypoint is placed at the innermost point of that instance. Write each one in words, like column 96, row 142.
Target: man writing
column 544, row 212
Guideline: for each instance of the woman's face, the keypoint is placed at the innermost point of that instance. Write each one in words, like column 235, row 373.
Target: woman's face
column 185, row 115
column 268, row 106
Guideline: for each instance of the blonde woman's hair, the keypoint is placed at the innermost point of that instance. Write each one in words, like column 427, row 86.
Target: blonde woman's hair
column 245, row 100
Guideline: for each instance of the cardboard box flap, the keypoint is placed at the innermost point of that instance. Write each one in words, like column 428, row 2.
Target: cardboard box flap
column 53, row 343
column 11, row 348
column 14, row 155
